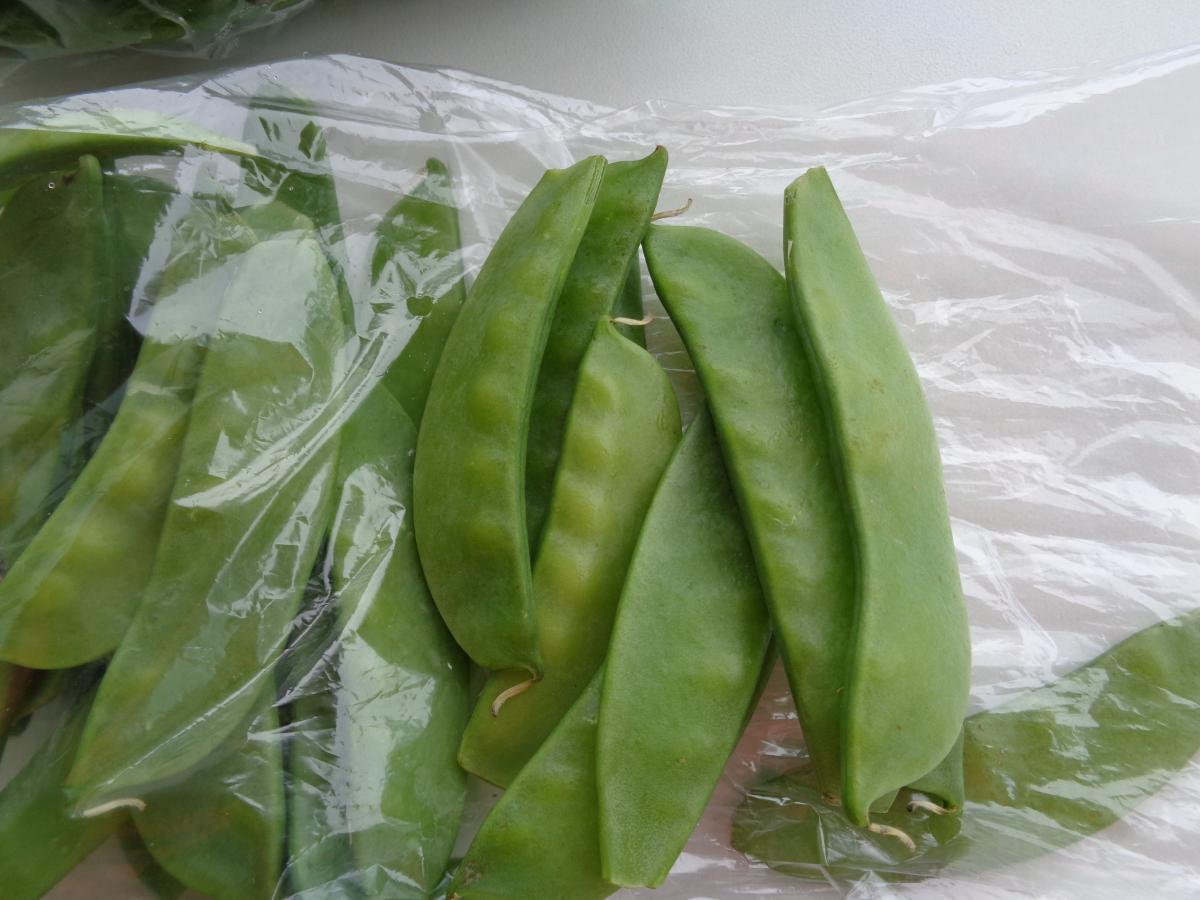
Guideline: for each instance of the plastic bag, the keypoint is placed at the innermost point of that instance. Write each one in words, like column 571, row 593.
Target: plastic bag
column 34, row 29
column 1035, row 239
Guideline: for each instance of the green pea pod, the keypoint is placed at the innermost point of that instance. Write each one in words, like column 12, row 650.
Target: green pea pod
column 417, row 277
column 136, row 206
column 541, row 839
column 469, row 482
column 292, row 169
column 247, row 515
column 629, row 304
column 687, row 651
column 51, row 303
column 732, row 309
column 595, row 282
column 623, row 426
column 61, row 137
column 903, row 706
column 1044, row 770
column 220, row 830
column 69, row 598
column 42, row 838
column 377, row 793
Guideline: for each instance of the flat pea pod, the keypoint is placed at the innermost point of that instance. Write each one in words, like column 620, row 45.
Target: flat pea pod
column 220, row 830
column 732, row 309
column 377, row 794
column 36, row 814
column 161, row 883
column 687, row 652
column 469, row 481
column 61, row 137
column 135, row 206
column 910, row 658
column 623, row 426
column 70, row 598
column 417, row 278
column 50, row 305
column 596, row 281
column 1043, row 770
column 248, row 512
column 541, row 839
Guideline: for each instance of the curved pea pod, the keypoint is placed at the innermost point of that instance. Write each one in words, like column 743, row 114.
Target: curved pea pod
column 623, row 425
column 36, row 814
column 540, row 839
column 377, row 794
column 910, row 658
column 220, row 830
column 596, row 282
column 1044, row 770
column 732, row 309
column 248, row 511
column 469, row 481
column 61, row 137
column 682, row 673
column 70, row 598
column 417, row 278
column 50, row 302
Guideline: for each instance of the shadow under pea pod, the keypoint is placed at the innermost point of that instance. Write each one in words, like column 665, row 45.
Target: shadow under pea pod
column 1043, row 771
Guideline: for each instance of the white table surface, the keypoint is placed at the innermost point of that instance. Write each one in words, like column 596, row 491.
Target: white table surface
column 800, row 53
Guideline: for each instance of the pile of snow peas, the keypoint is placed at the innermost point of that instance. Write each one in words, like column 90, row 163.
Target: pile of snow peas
column 253, row 547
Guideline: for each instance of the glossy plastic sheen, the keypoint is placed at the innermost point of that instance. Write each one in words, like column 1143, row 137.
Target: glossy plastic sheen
column 1043, row 771
column 50, row 303
column 623, row 426
column 417, row 274
column 732, row 309
column 377, row 794
column 683, row 667
column 220, row 830
column 242, row 530
column 70, row 597
column 594, row 287
column 469, row 482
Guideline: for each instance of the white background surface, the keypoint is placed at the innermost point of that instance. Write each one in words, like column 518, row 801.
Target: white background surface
column 752, row 52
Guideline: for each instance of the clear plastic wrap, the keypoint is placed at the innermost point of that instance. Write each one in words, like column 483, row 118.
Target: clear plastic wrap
column 1035, row 239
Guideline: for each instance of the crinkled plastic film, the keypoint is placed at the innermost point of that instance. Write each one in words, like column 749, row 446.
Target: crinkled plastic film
column 1035, row 238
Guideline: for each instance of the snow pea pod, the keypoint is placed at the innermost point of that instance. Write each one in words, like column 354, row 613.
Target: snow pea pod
column 623, row 426
column 469, row 482
column 377, row 794
column 36, row 814
column 51, row 301
column 903, row 707
column 69, row 598
column 247, row 514
column 220, row 830
column 1043, row 770
column 540, row 839
column 689, row 645
column 161, row 883
column 417, row 277
column 597, row 279
column 732, row 308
